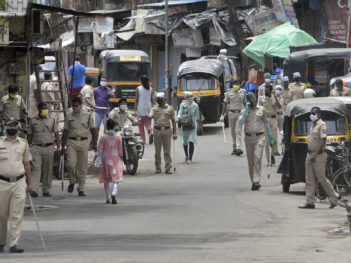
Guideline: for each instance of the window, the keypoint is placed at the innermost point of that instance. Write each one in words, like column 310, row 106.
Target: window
column 198, row 82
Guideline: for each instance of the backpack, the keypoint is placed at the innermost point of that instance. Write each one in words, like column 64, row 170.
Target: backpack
column 186, row 120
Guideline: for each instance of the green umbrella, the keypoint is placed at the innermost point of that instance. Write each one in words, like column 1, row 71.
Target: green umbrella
column 276, row 42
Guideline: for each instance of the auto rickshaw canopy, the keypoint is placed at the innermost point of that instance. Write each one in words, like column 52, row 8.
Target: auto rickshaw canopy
column 124, row 55
column 213, row 67
column 299, row 107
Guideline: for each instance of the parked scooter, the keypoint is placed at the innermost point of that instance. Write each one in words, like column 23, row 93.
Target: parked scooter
column 132, row 149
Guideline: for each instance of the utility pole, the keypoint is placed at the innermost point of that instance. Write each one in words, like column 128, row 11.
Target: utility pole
column 239, row 35
column 166, row 46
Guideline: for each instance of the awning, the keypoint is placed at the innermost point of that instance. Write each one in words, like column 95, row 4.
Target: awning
column 170, row 3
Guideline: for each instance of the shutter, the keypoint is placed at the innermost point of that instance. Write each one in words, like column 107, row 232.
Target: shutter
column 174, row 62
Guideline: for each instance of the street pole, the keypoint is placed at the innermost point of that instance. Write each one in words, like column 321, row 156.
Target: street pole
column 166, row 46
column 348, row 33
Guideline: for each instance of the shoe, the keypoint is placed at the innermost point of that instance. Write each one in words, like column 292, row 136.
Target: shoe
column 158, row 170
column 189, row 162
column 276, row 153
column 2, row 248
column 255, row 186
column 239, row 152
column 107, row 201
column 70, row 188
column 234, row 152
column 34, row 194
column 16, row 249
column 272, row 159
column 47, row 194
column 332, row 205
column 114, row 201
column 186, row 159
column 151, row 139
column 307, row 206
column 168, row 171
column 81, row 193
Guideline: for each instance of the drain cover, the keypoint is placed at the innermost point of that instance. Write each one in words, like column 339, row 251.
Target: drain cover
column 28, row 208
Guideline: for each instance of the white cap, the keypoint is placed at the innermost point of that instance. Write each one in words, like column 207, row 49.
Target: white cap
column 160, row 95
column 285, row 79
column 187, row 94
column 223, row 51
column 309, row 93
column 296, row 75
column 267, row 81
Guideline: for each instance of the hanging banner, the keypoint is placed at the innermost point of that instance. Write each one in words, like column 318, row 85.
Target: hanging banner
column 337, row 16
column 262, row 22
column 102, row 24
column 187, row 37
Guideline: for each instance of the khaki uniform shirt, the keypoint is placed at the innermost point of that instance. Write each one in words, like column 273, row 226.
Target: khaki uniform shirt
column 12, row 156
column 120, row 117
column 287, row 97
column 79, row 126
column 345, row 92
column 296, row 91
column 88, row 94
column 162, row 115
column 255, row 120
column 318, row 131
column 262, row 90
column 235, row 99
column 42, row 130
column 269, row 104
column 12, row 107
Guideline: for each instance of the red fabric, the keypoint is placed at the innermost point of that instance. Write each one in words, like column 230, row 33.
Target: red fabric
column 74, row 91
column 110, row 146
column 144, row 121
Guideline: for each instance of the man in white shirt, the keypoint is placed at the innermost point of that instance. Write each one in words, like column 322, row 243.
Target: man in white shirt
column 88, row 94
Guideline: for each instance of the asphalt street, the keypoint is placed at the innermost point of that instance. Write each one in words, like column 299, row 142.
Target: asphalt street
column 203, row 212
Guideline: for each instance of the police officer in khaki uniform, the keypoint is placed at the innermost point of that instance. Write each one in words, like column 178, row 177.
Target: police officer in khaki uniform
column 256, row 123
column 271, row 104
column 12, row 104
column 41, row 139
column 297, row 88
column 163, row 114
column 78, row 124
column 339, row 89
column 121, row 115
column 315, row 161
column 234, row 100
column 14, row 167
column 262, row 88
column 286, row 95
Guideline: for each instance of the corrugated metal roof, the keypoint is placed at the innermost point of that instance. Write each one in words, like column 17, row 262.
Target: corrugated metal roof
column 174, row 2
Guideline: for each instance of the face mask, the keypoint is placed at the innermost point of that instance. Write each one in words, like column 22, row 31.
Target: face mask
column 44, row 113
column 190, row 99
column 123, row 107
column 236, row 87
column 11, row 132
column 160, row 101
column 278, row 92
column 267, row 81
column 13, row 95
column 313, row 118
column 103, row 83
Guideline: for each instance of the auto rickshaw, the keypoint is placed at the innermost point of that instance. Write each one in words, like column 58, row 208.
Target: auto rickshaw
column 94, row 74
column 296, row 127
column 122, row 69
column 205, row 79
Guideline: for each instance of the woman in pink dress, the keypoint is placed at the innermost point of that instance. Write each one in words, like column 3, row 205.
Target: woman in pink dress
column 111, row 151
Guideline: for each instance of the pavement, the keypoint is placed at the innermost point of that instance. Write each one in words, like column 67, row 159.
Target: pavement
column 204, row 212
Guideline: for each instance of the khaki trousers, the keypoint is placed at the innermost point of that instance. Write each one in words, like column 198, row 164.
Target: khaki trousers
column 12, row 201
column 235, row 129
column 43, row 159
column 316, row 172
column 162, row 139
column 254, row 150
column 273, row 124
column 280, row 120
column 77, row 157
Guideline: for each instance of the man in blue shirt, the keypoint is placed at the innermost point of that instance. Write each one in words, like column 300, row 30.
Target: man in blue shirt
column 78, row 77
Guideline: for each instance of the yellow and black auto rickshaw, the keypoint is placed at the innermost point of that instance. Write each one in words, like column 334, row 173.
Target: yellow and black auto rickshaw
column 122, row 69
column 204, row 78
column 94, row 74
column 297, row 124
